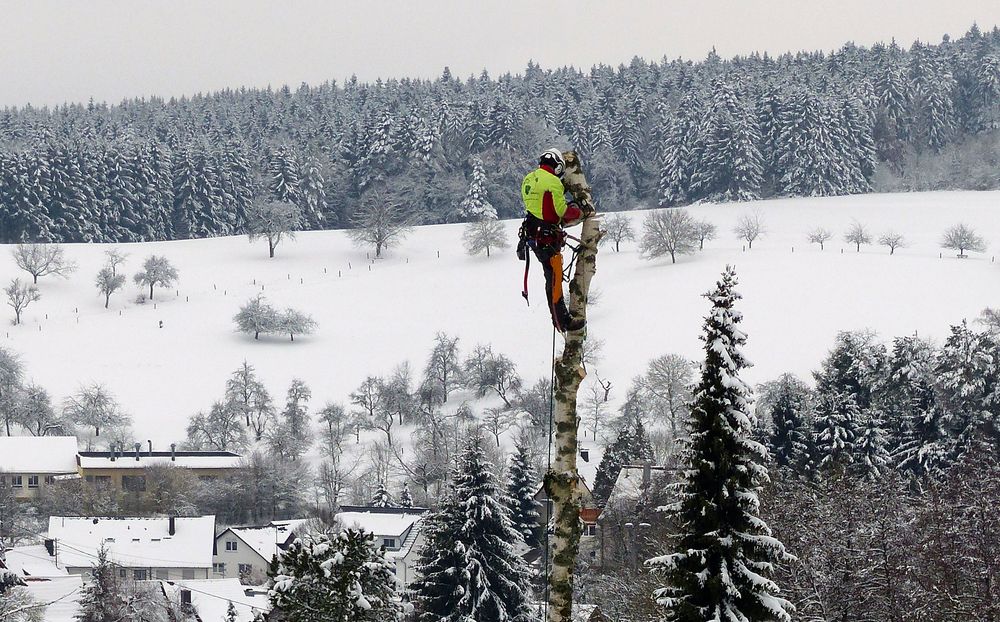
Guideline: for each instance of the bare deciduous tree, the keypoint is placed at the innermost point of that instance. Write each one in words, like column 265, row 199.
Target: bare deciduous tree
column 115, row 258
column 156, row 271
column 820, row 235
column 380, row 222
column 749, row 227
column 484, row 235
column 961, row 238
column 857, row 234
column 617, row 229
column 19, row 296
column 668, row 232
column 892, row 240
column 273, row 221
column 496, row 421
column 107, row 282
column 705, row 231
column 94, row 407
column 42, row 260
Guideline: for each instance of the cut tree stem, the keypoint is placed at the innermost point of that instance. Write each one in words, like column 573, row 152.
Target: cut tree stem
column 562, row 480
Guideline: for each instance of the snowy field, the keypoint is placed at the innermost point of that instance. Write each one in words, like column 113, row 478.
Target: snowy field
column 374, row 316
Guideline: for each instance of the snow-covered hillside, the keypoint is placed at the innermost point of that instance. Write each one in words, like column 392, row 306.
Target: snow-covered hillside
column 374, row 316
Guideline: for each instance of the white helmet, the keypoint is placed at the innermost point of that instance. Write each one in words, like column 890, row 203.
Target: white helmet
column 553, row 158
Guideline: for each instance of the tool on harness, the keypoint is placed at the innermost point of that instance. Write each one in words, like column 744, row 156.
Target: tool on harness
column 533, row 235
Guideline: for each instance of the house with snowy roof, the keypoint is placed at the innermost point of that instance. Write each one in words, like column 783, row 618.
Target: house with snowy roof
column 173, row 547
column 587, row 460
column 246, row 552
column 397, row 529
column 208, row 600
column 126, row 469
column 28, row 464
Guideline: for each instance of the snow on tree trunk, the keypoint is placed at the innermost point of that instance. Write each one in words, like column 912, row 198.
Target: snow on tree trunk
column 562, row 481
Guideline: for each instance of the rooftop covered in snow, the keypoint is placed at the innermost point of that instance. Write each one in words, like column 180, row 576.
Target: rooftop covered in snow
column 211, row 598
column 134, row 542
column 145, row 458
column 383, row 522
column 38, row 454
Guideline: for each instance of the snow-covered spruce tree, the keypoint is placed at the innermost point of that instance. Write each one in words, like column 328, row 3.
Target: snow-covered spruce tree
column 101, row 598
column 628, row 448
column 679, row 153
column 469, row 567
column 476, row 204
column 724, row 551
column 521, row 488
column 405, row 496
column 836, row 429
column 787, row 402
column 381, row 498
column 333, row 578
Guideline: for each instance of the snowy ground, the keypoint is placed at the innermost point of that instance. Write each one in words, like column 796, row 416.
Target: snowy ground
column 372, row 317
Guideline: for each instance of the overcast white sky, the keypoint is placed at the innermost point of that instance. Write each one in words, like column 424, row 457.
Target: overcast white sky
column 71, row 50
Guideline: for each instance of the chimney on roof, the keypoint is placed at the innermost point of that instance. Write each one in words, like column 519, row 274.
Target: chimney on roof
column 647, row 473
column 173, row 452
column 185, row 599
column 112, row 452
column 172, row 525
column 150, row 447
column 50, row 546
column 137, row 446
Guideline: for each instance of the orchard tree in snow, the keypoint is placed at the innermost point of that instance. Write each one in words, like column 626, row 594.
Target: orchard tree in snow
column 857, row 234
column 484, row 234
column 704, row 230
column 486, row 371
column 221, row 429
column 666, row 384
column 108, row 282
column 115, row 258
column 379, row 222
column 42, row 260
column 820, row 235
column 19, row 296
column 94, row 407
column 34, row 412
column 668, row 231
column 617, row 229
column 156, row 271
column 273, row 221
column 961, row 238
column 11, row 376
column 334, row 578
column 724, row 553
column 294, row 322
column 443, row 369
column 892, row 240
column 749, row 227
column 289, row 438
column 469, row 566
column 256, row 317
column 250, row 398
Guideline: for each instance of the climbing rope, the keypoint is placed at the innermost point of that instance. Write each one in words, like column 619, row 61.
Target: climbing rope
column 548, row 469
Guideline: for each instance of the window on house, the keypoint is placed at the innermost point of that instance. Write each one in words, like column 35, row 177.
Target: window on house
column 163, row 574
column 101, row 480
column 590, row 529
column 134, row 483
column 231, row 545
column 123, row 573
column 139, row 574
column 187, row 573
column 15, row 481
column 50, row 479
column 245, row 570
column 32, row 481
column 219, row 569
column 389, row 543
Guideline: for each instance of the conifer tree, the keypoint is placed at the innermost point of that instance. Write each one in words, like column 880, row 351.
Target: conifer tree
column 730, row 166
column 381, row 498
column 469, row 568
column 836, row 428
column 333, row 578
column 100, row 598
column 406, row 497
column 724, row 551
column 630, row 446
column 788, row 408
column 476, row 205
column 521, row 488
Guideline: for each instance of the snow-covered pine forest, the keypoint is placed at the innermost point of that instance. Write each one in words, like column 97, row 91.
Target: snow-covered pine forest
column 658, row 133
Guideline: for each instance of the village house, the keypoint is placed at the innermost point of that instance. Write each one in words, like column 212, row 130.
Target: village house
column 616, row 524
column 126, row 470
column 397, row 529
column 165, row 548
column 587, row 461
column 246, row 552
column 30, row 463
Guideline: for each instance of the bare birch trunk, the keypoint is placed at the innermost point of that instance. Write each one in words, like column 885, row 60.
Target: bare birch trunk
column 562, row 481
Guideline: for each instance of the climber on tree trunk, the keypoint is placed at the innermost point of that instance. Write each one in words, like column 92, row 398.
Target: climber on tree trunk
column 542, row 231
